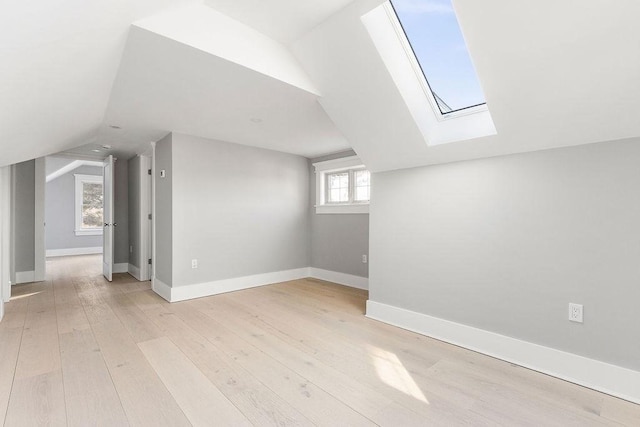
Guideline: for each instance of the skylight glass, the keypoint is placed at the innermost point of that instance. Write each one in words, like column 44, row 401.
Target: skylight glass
column 433, row 32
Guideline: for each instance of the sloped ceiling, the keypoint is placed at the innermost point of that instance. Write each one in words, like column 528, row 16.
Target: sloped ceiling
column 554, row 74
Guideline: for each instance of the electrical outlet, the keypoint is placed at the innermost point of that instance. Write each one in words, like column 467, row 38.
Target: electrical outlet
column 364, row 259
column 575, row 312
column 131, row 249
column 194, row 263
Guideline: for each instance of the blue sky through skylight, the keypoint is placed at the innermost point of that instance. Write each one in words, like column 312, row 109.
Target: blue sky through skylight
column 433, row 31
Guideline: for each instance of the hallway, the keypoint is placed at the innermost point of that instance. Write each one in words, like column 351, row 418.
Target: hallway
column 77, row 350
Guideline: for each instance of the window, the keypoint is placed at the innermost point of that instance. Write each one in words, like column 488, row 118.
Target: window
column 436, row 41
column 342, row 186
column 88, row 205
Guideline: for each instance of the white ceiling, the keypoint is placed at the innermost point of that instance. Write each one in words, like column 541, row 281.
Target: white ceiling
column 282, row 20
column 164, row 86
column 59, row 60
column 554, row 74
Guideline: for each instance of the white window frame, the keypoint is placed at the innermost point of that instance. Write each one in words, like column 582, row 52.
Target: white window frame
column 80, row 180
column 322, row 169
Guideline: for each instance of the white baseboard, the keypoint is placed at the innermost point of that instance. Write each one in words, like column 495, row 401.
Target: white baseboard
column 161, row 288
column 74, row 251
column 340, row 278
column 25, row 277
column 601, row 376
column 122, row 267
column 134, row 271
column 198, row 290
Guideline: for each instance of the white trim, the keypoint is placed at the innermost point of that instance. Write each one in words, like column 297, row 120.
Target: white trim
column 337, row 164
column 601, row 376
column 198, row 290
column 5, row 232
column 25, row 277
column 121, row 267
column 354, row 208
column 161, row 288
column 153, row 212
column 71, row 166
column 145, row 208
column 74, row 251
column 39, row 247
column 134, row 271
column 339, row 278
column 89, row 232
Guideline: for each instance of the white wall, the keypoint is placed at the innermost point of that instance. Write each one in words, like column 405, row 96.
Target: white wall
column 5, row 236
column 505, row 244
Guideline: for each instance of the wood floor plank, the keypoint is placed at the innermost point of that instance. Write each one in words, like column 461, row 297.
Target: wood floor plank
column 201, row 401
column 257, row 402
column 37, row 401
column 317, row 405
column 144, row 397
column 9, row 349
column 90, row 394
column 39, row 349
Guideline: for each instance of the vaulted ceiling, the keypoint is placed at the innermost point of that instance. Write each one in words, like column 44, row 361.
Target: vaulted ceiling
column 303, row 77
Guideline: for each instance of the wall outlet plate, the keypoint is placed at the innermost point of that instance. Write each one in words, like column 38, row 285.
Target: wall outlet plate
column 575, row 312
column 194, row 263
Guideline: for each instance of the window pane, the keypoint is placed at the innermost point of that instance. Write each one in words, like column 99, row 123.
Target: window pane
column 435, row 37
column 363, row 184
column 338, row 187
column 362, row 194
column 91, row 205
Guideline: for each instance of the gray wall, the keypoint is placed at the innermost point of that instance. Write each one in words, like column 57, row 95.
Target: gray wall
column 60, row 211
column 239, row 210
column 121, row 212
column 134, row 165
column 164, row 210
column 53, row 164
column 504, row 244
column 24, row 216
column 338, row 241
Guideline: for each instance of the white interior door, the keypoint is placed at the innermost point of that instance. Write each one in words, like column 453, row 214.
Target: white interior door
column 107, row 210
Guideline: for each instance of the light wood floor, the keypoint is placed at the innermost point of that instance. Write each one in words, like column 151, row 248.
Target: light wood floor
column 77, row 350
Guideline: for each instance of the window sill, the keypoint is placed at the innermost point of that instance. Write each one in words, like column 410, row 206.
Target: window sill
column 96, row 232
column 362, row 208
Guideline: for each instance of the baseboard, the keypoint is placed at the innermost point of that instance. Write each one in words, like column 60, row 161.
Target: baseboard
column 161, row 288
column 74, row 251
column 181, row 293
column 340, row 278
column 134, row 271
column 1, row 309
column 25, row 277
column 601, row 376
column 121, row 267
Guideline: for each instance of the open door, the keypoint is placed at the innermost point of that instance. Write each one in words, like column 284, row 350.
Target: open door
column 107, row 211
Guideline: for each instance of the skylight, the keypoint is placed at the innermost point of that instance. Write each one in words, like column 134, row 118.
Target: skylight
column 434, row 34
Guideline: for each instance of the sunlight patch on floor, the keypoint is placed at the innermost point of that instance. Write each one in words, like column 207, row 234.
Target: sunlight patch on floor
column 393, row 373
column 13, row 298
